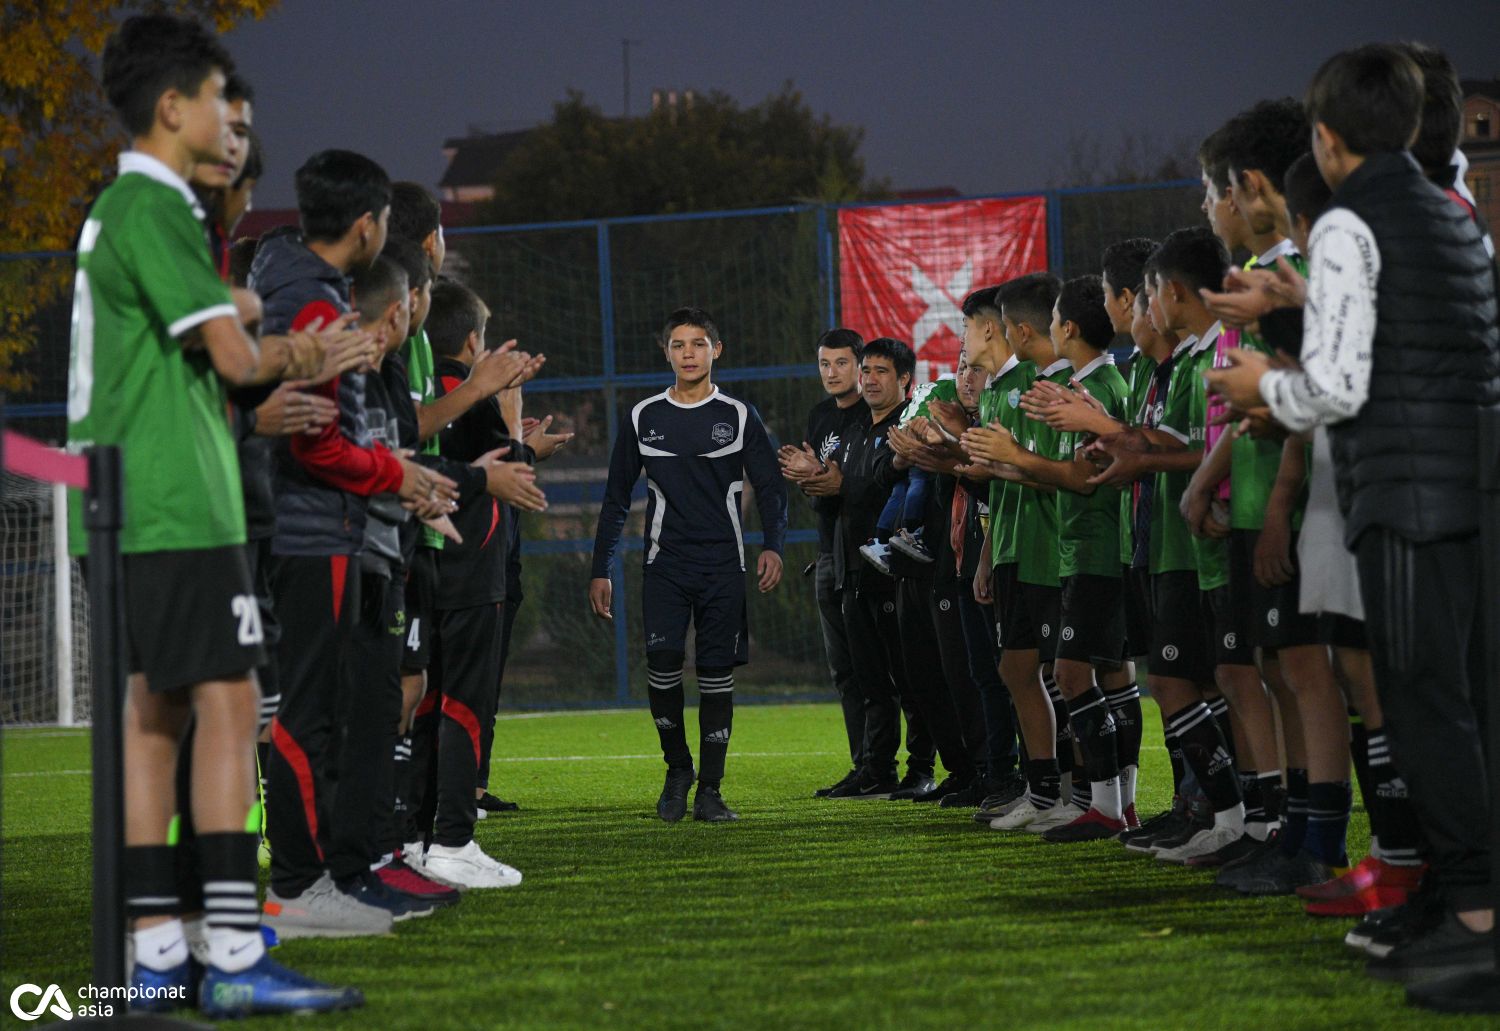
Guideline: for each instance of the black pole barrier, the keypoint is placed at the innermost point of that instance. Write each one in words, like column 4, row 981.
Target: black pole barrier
column 1480, row 992
column 103, row 517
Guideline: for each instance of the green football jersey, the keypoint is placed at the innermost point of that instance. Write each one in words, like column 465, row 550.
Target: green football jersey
column 1036, row 519
column 1211, row 557
column 420, row 374
column 1089, row 524
column 1253, row 464
column 1138, row 380
column 939, row 390
column 1001, row 402
column 144, row 281
column 1171, row 544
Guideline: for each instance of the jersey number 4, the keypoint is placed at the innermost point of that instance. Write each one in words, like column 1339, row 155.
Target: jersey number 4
column 247, row 611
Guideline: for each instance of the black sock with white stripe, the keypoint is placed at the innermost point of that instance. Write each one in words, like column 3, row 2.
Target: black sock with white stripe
column 151, row 891
column 1393, row 819
column 715, row 722
column 665, row 696
column 1206, row 752
column 1220, row 708
column 231, row 912
column 1063, row 742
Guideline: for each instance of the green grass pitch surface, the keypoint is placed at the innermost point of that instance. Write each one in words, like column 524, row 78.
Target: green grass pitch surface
column 862, row 914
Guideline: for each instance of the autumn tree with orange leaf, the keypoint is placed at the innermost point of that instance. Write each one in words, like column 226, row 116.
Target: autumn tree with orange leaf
column 58, row 142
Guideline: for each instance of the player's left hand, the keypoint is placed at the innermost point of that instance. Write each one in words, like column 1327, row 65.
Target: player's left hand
column 1239, row 382
column 769, row 570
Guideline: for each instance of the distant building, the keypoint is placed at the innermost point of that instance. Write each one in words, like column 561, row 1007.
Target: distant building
column 473, row 164
column 1481, row 143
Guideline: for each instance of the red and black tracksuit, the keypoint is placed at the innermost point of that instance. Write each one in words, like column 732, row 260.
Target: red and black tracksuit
column 323, row 484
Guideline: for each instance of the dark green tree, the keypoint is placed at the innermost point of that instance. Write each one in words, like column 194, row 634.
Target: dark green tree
column 709, row 153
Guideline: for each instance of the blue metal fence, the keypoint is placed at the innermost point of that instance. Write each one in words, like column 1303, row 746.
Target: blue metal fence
column 1079, row 223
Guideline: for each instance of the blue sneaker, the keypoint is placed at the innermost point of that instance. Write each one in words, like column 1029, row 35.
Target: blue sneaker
column 268, row 935
column 269, row 987
column 372, row 891
column 165, row 991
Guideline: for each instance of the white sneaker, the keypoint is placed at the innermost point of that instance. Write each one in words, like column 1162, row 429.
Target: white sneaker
column 468, row 867
column 1201, row 844
column 1018, row 818
column 1057, row 816
column 413, row 854
column 878, row 554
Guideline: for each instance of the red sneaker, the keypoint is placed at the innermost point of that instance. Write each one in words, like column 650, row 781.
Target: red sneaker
column 397, row 876
column 1370, row 872
column 1091, row 826
column 1132, row 822
column 1367, row 900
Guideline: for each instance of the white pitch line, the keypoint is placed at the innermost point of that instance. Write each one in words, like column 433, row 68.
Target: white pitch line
column 496, row 760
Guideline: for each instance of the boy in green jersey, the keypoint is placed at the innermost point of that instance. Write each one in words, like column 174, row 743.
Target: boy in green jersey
column 1268, row 490
column 1008, row 376
column 156, row 339
column 1026, row 590
column 1171, row 446
column 1092, row 635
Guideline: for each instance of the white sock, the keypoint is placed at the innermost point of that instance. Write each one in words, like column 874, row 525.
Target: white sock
column 1127, row 786
column 1233, row 818
column 233, row 949
column 1107, row 797
column 161, row 946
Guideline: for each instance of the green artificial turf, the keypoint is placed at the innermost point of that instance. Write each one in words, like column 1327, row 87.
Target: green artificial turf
column 863, row 914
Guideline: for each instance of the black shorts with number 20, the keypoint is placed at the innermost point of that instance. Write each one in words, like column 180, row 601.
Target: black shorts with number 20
column 191, row 616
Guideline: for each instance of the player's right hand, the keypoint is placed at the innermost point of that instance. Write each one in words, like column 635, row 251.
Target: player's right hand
column 289, row 411
column 512, row 482
column 601, row 597
column 432, row 493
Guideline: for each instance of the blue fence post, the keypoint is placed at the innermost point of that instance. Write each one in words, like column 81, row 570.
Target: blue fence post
column 611, row 414
column 1054, row 232
column 825, row 267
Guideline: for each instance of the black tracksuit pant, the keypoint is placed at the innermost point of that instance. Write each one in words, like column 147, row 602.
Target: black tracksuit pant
column 1001, row 755
column 840, row 664
column 946, row 606
column 318, row 603
column 875, row 648
column 362, row 816
column 1424, row 614
column 461, row 686
column 927, row 678
column 487, row 738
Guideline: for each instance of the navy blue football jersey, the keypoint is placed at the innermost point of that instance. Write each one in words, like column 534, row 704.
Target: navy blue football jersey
column 696, row 458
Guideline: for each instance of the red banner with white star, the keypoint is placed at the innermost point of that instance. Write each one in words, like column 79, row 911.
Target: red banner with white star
column 904, row 269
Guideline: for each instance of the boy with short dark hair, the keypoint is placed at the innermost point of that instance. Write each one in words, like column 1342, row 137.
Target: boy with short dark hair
column 1029, row 606
column 1091, row 638
column 696, row 445
column 156, row 338
column 319, row 859
column 1411, row 498
column 470, row 601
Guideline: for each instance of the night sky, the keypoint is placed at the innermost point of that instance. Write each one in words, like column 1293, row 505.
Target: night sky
column 984, row 97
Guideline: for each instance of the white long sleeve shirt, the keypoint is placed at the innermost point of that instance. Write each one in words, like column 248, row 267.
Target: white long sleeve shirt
column 1338, row 328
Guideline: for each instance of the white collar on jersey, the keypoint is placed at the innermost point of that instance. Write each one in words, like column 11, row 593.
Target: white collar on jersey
column 1209, row 338
column 1010, row 363
column 1183, row 345
column 1056, row 367
column 667, row 394
column 1284, row 247
column 151, row 168
column 1104, row 359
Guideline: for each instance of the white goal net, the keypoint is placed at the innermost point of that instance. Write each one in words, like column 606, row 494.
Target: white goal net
column 44, row 676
